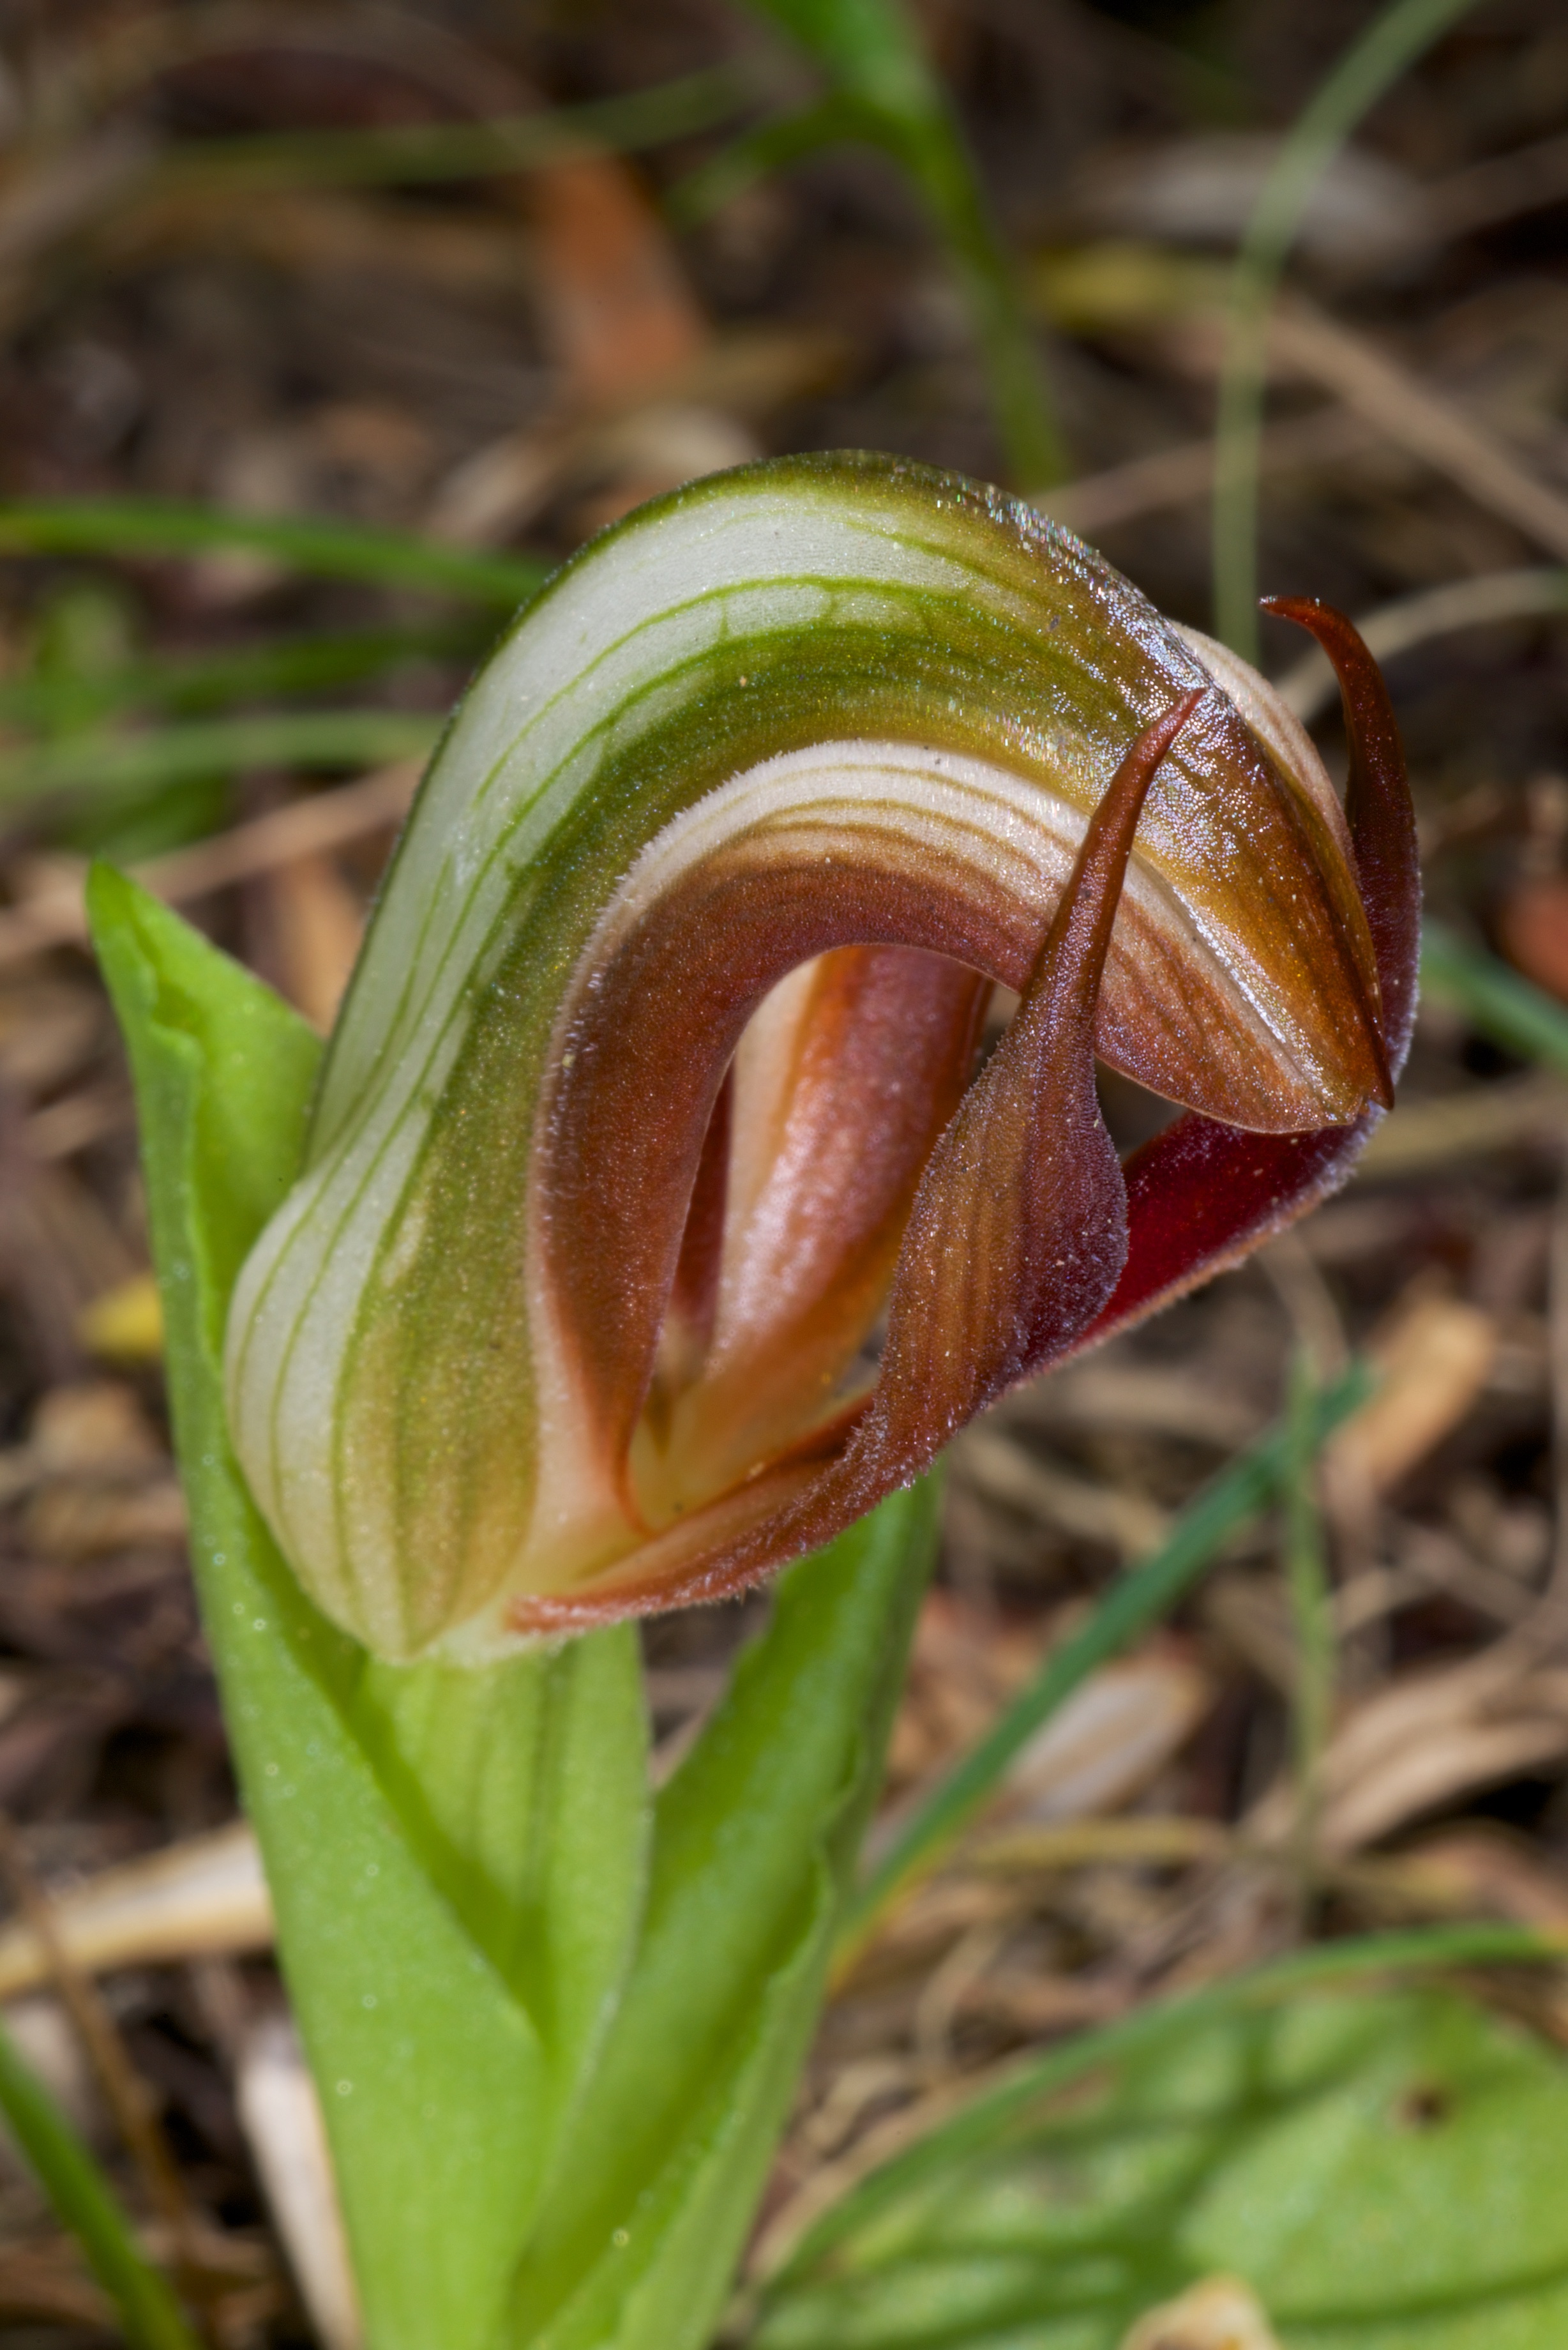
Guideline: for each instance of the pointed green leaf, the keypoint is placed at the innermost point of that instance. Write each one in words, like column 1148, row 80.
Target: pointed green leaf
column 456, row 1977
column 444, row 2035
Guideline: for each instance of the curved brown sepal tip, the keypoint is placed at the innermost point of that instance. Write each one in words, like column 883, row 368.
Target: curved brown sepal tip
column 1381, row 816
column 1200, row 1195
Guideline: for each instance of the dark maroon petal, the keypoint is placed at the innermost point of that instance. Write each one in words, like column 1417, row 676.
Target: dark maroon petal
column 1201, row 1196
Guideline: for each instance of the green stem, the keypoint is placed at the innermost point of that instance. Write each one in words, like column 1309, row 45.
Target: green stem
column 1133, row 1605
column 85, row 2203
column 1391, row 44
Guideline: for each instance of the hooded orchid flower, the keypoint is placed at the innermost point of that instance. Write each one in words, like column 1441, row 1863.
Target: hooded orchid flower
column 653, row 1096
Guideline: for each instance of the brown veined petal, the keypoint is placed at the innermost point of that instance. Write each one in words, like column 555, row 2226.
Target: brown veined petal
column 1200, row 1195
column 871, row 844
column 842, row 1083
column 1014, row 1241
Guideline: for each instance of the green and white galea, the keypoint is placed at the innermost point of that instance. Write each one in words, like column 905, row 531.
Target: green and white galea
column 655, row 1088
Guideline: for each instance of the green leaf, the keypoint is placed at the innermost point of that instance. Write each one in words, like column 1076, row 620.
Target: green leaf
column 756, row 1835
column 443, row 2037
column 522, row 1789
column 1383, row 2170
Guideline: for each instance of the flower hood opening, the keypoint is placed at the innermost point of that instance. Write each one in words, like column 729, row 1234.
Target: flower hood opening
column 654, row 1085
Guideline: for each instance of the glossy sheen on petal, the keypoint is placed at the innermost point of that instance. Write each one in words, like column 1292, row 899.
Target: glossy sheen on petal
column 413, row 1407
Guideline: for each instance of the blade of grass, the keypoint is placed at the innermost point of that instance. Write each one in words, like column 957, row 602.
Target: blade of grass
column 87, row 2205
column 884, row 93
column 1137, row 1601
column 977, row 2128
column 407, row 152
column 137, row 765
column 332, row 550
column 1397, row 36
column 1306, row 1580
column 772, row 146
column 206, row 681
column 1496, row 1001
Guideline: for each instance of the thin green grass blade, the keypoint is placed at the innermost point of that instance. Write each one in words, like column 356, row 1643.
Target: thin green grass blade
column 291, row 665
column 109, row 767
column 409, row 154
column 986, row 2120
column 86, row 2204
column 1138, row 1601
column 885, row 92
column 331, row 550
column 1497, row 1002
column 1396, row 38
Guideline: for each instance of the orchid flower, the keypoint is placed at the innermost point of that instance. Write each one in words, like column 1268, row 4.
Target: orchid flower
column 653, row 1098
